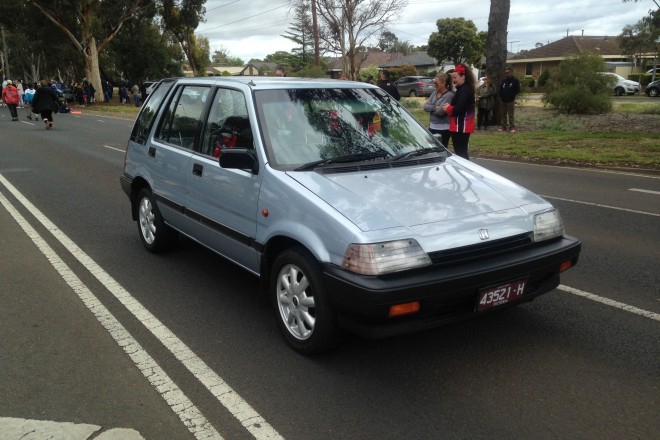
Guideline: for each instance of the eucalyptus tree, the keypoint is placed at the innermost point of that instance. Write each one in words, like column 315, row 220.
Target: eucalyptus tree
column 181, row 18
column 456, row 40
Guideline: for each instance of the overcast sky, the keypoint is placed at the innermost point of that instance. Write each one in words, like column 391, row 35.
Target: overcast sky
column 252, row 28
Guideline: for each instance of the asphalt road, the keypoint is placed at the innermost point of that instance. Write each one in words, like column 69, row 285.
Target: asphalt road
column 95, row 330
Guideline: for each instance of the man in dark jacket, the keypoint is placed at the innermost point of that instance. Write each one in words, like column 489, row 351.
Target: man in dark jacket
column 45, row 102
column 509, row 89
column 388, row 85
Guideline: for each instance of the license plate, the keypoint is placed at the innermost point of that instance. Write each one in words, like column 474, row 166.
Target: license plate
column 496, row 296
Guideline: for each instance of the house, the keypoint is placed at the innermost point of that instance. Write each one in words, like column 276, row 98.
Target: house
column 424, row 63
column 258, row 68
column 362, row 60
column 531, row 63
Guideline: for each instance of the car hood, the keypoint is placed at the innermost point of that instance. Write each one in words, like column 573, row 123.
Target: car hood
column 418, row 197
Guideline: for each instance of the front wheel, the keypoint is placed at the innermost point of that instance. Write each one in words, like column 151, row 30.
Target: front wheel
column 302, row 308
column 155, row 235
column 653, row 92
column 619, row 91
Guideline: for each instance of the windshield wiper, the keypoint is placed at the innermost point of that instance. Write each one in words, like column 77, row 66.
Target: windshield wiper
column 421, row 152
column 344, row 159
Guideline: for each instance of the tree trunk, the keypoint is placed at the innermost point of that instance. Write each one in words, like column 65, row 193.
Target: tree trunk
column 496, row 52
column 92, row 67
column 315, row 28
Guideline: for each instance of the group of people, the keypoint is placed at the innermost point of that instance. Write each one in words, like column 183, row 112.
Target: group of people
column 39, row 99
column 452, row 106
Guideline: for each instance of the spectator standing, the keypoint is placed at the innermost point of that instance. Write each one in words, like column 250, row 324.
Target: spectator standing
column 135, row 90
column 509, row 89
column 279, row 71
column 461, row 110
column 19, row 87
column 439, row 119
column 10, row 97
column 45, row 103
column 386, row 84
column 29, row 97
column 486, row 93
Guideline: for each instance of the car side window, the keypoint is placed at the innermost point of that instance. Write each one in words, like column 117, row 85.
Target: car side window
column 183, row 117
column 145, row 120
column 228, row 124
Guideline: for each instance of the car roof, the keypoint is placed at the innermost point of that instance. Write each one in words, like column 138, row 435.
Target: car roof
column 274, row 82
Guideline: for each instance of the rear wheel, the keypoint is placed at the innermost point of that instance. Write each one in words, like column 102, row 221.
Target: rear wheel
column 302, row 308
column 413, row 93
column 155, row 235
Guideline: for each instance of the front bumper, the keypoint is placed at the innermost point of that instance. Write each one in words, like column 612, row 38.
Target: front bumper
column 446, row 293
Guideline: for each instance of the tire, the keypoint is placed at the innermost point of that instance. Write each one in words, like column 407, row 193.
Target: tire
column 413, row 94
column 155, row 235
column 652, row 92
column 619, row 91
column 302, row 308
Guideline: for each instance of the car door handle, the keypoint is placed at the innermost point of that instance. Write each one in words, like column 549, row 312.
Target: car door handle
column 197, row 169
column 152, row 151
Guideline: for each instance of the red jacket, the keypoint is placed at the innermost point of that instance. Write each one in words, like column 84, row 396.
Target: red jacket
column 10, row 95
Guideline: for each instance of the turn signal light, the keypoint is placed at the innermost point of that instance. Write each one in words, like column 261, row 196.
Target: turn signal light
column 565, row 265
column 404, row 309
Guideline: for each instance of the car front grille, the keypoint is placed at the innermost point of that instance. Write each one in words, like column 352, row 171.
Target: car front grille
column 481, row 250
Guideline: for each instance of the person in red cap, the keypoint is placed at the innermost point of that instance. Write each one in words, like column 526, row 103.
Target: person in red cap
column 461, row 109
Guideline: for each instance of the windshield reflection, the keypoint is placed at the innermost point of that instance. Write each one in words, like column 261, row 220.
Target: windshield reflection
column 302, row 126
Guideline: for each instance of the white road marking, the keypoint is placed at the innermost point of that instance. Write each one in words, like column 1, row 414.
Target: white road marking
column 239, row 408
column 600, row 205
column 610, row 302
column 180, row 404
column 648, row 191
column 588, row 170
column 113, row 148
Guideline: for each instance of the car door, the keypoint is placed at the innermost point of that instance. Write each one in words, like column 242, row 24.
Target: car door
column 403, row 85
column 170, row 151
column 223, row 202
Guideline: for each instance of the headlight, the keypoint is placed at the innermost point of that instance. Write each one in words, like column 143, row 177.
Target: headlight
column 548, row 225
column 386, row 257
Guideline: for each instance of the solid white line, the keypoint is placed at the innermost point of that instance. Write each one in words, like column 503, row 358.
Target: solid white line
column 175, row 398
column 600, row 205
column 610, row 302
column 238, row 407
column 645, row 191
column 113, row 148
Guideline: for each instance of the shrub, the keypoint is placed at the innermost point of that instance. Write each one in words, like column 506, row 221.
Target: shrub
column 544, row 77
column 577, row 87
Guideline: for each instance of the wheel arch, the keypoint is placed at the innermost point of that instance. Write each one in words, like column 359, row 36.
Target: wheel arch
column 137, row 185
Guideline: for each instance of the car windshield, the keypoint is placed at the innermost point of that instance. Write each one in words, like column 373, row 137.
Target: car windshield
column 304, row 128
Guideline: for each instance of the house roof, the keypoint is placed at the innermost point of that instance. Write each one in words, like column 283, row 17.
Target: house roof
column 366, row 59
column 604, row 46
column 417, row 59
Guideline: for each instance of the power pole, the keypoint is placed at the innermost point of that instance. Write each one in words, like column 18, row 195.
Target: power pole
column 511, row 43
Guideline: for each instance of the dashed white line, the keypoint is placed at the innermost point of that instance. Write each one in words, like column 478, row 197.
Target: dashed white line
column 235, row 404
column 648, row 191
column 610, row 302
column 175, row 398
column 113, row 148
column 600, row 205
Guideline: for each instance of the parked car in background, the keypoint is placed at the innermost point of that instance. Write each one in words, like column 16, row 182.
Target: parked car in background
column 354, row 217
column 657, row 71
column 623, row 86
column 148, row 87
column 415, row 86
column 653, row 89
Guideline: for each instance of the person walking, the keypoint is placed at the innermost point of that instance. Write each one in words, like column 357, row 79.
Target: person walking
column 21, row 92
column 135, row 91
column 386, row 84
column 45, row 103
column 10, row 97
column 486, row 93
column 29, row 97
column 439, row 119
column 509, row 89
column 461, row 110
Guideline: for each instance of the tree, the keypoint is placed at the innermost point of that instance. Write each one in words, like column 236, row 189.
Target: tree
column 302, row 34
column 349, row 23
column 386, row 41
column 181, row 17
column 577, row 86
column 496, row 52
column 90, row 25
column 222, row 58
column 457, row 40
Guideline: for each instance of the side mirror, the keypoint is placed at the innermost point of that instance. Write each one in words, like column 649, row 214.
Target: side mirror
column 239, row 158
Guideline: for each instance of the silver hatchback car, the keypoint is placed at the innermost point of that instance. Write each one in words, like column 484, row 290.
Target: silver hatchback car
column 354, row 217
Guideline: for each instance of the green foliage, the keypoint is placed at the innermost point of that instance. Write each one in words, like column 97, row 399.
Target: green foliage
column 365, row 72
column 577, row 87
column 411, row 103
column 457, row 40
column 311, row 72
column 544, row 77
